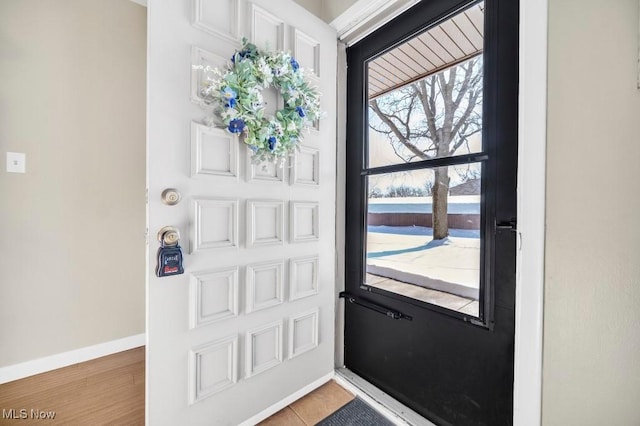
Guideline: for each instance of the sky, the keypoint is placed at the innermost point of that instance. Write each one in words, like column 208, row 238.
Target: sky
column 381, row 154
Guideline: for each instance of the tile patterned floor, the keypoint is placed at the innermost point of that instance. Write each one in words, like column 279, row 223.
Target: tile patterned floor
column 312, row 408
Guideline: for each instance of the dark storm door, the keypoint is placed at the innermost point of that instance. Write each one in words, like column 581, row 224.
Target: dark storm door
column 431, row 209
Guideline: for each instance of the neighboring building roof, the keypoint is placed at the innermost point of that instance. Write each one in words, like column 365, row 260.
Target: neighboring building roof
column 470, row 187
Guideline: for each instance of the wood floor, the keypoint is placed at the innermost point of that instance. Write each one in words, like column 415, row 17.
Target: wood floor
column 108, row 390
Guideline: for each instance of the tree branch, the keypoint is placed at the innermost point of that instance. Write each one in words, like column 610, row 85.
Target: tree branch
column 414, row 149
column 427, row 105
column 473, row 98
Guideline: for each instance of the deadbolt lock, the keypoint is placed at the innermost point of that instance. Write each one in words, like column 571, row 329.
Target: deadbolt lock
column 171, row 196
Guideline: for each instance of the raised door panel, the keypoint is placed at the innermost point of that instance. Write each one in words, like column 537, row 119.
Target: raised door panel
column 267, row 30
column 220, row 18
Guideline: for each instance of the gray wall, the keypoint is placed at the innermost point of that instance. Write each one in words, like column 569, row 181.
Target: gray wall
column 72, row 97
column 591, row 365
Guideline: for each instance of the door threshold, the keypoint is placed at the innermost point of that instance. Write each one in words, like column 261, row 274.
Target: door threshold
column 382, row 402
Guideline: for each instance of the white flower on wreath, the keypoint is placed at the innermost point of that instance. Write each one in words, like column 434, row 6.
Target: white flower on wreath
column 237, row 93
column 264, row 72
column 277, row 128
column 229, row 114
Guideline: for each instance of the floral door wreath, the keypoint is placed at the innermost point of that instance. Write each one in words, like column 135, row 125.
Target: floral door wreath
column 236, row 93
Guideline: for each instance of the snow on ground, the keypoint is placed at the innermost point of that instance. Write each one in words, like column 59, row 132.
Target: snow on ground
column 423, row 230
column 409, row 254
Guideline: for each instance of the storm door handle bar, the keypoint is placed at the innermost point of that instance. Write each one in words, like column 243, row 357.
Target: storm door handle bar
column 374, row 306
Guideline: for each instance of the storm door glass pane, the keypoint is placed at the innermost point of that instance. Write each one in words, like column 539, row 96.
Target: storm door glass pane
column 422, row 242
column 425, row 95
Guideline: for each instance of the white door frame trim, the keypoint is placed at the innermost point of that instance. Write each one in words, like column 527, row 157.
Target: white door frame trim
column 532, row 139
column 532, row 125
column 365, row 16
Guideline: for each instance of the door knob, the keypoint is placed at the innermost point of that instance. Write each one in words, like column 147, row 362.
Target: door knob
column 169, row 236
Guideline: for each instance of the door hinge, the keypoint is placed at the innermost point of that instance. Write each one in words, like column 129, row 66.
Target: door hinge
column 391, row 313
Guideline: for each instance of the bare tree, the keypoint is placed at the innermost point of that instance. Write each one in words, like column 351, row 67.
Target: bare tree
column 468, row 172
column 433, row 118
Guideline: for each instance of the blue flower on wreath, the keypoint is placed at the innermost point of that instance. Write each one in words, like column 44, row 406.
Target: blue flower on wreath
column 300, row 111
column 242, row 54
column 228, row 93
column 236, row 125
column 294, row 64
column 231, row 103
column 272, row 143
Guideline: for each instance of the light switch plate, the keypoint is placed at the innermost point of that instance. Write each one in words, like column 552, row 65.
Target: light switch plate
column 16, row 162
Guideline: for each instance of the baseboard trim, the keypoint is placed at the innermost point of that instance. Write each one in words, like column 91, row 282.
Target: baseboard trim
column 53, row 362
column 288, row 400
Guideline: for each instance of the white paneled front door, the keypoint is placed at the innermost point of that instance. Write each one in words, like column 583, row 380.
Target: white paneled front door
column 250, row 322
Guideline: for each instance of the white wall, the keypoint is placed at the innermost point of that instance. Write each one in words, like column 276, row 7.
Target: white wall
column 331, row 9
column 591, row 364
column 72, row 97
column 313, row 6
column 327, row 10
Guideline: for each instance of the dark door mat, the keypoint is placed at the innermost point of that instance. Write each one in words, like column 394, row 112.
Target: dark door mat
column 356, row 413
